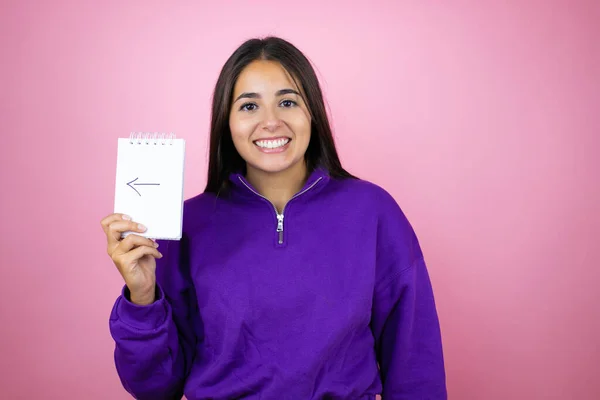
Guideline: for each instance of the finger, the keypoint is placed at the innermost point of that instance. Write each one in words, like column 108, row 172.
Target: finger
column 132, row 241
column 109, row 219
column 140, row 252
column 115, row 230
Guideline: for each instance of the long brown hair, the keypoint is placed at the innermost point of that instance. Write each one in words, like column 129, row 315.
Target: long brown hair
column 224, row 158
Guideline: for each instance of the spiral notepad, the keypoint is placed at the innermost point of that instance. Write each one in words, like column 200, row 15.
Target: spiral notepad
column 149, row 183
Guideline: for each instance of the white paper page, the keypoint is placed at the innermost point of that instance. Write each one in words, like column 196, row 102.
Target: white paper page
column 149, row 185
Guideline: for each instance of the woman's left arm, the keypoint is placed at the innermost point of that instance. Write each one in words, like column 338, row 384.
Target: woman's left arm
column 404, row 317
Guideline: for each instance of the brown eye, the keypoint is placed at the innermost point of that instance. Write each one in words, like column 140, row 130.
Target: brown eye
column 288, row 103
column 248, row 107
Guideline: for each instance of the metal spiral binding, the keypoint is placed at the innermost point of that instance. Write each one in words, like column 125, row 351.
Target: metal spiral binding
column 148, row 137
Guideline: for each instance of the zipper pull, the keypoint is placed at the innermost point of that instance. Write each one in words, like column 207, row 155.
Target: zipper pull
column 280, row 227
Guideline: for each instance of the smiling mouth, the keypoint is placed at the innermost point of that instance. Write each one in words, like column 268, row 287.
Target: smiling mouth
column 272, row 143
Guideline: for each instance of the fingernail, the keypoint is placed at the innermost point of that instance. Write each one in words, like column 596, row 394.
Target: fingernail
column 127, row 217
column 141, row 227
column 155, row 244
column 160, row 254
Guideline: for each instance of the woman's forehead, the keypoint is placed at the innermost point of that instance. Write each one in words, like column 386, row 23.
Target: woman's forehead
column 263, row 76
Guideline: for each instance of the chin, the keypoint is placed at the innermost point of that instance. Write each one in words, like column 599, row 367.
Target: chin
column 273, row 167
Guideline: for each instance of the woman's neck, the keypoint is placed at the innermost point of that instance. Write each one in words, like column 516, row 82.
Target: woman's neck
column 279, row 187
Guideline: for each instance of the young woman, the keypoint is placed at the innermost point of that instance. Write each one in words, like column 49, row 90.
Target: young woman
column 293, row 279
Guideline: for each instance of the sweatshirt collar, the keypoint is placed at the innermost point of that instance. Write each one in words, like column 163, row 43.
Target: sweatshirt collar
column 316, row 179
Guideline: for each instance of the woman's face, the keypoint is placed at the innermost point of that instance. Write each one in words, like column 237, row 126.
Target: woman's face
column 269, row 122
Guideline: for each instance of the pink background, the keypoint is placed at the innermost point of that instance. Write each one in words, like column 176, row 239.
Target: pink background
column 481, row 120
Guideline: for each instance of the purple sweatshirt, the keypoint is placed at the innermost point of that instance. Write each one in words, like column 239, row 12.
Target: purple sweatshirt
column 329, row 300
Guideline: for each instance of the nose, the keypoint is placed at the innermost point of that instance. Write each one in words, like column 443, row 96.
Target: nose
column 271, row 122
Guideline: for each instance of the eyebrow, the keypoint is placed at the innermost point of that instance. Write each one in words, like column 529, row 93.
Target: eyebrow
column 253, row 95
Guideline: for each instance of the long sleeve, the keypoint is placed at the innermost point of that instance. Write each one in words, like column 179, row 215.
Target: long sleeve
column 404, row 317
column 155, row 344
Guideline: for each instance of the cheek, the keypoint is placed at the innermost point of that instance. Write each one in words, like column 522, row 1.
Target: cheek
column 300, row 124
column 241, row 129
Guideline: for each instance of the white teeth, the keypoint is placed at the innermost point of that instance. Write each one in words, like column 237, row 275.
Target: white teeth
column 272, row 144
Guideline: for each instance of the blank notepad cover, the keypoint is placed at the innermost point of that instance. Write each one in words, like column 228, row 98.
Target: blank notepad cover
column 149, row 184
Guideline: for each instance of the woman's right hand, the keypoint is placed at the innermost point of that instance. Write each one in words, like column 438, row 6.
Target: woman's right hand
column 134, row 256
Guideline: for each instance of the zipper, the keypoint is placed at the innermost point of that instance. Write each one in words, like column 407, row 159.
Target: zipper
column 280, row 216
column 280, row 227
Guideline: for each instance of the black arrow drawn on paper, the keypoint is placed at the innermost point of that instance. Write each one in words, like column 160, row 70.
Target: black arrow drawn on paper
column 131, row 184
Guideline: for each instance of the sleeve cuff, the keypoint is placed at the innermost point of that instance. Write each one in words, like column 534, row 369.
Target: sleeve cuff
column 140, row 317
